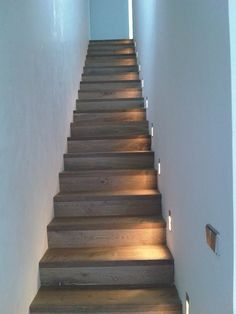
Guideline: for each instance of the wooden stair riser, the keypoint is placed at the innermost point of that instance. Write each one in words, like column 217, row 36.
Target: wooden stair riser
column 153, row 309
column 111, row 105
column 110, row 94
column 114, row 77
column 110, row 70
column 108, row 275
column 109, row 145
column 108, row 207
column 135, row 161
column 103, row 117
column 105, row 182
column 110, row 130
column 93, row 86
column 117, row 46
column 105, row 238
column 110, row 57
column 114, row 62
column 111, row 52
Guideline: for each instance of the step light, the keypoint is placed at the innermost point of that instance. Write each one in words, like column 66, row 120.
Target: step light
column 159, row 166
column 146, row 103
column 152, row 130
column 187, row 304
column 139, row 67
column 169, row 221
column 142, row 81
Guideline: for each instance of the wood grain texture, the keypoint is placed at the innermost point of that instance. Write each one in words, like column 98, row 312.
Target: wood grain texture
column 110, row 69
column 128, row 143
column 107, row 300
column 106, row 231
column 107, row 180
column 122, row 115
column 109, row 129
column 107, row 243
column 110, row 85
column 110, row 94
column 109, row 104
column 118, row 160
column 113, row 77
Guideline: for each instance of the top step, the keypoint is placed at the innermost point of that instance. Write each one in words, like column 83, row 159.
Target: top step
column 112, row 41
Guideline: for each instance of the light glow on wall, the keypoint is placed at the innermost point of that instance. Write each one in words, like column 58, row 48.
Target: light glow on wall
column 131, row 31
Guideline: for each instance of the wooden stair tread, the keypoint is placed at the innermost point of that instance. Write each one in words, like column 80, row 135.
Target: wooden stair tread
column 124, row 40
column 110, row 82
column 111, row 137
column 107, row 172
column 99, row 223
column 104, row 195
column 112, row 123
column 126, row 76
column 106, row 299
column 114, row 111
column 121, row 55
column 72, row 257
column 108, row 154
column 133, row 99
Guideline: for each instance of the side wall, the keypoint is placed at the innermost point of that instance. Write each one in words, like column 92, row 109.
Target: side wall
column 42, row 49
column 184, row 52
column 232, row 19
column 109, row 19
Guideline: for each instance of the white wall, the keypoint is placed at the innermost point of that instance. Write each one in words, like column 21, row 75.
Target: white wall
column 42, row 51
column 109, row 19
column 232, row 18
column 184, row 53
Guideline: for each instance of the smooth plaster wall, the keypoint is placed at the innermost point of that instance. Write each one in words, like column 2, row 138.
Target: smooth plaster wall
column 185, row 57
column 42, row 51
column 109, row 19
column 232, row 18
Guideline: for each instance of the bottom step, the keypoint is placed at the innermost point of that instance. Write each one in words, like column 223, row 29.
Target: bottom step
column 68, row 300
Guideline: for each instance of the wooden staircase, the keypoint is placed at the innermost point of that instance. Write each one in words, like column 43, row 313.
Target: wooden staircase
column 107, row 243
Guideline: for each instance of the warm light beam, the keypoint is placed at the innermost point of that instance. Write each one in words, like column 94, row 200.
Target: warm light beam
column 130, row 8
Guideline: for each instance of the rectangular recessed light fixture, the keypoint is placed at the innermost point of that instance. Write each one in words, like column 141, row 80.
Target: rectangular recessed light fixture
column 169, row 221
column 187, row 305
column 139, row 67
column 142, row 81
column 152, row 130
column 146, row 103
column 159, row 166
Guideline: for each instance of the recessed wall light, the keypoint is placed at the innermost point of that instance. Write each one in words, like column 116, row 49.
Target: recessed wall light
column 142, row 81
column 146, row 102
column 187, row 305
column 152, row 130
column 169, row 221
column 139, row 67
column 159, row 166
